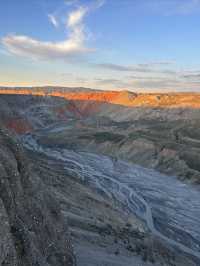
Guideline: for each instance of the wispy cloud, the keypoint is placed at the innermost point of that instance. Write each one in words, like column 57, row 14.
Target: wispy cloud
column 75, row 18
column 151, row 84
column 197, row 76
column 191, row 75
column 53, row 20
column 157, row 63
column 114, row 67
column 115, row 83
column 151, row 76
column 71, row 48
column 137, row 68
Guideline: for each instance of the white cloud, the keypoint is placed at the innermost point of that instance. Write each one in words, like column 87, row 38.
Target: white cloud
column 75, row 18
column 53, row 20
column 71, row 48
column 26, row 46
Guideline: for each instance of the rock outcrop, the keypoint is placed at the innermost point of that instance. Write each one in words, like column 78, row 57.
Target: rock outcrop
column 32, row 228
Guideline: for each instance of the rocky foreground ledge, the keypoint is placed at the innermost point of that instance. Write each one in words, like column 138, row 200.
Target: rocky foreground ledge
column 32, row 228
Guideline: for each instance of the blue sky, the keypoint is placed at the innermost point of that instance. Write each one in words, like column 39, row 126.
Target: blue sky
column 139, row 45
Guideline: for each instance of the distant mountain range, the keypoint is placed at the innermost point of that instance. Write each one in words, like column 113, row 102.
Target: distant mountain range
column 125, row 98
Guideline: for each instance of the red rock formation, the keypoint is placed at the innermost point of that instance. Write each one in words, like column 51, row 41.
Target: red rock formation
column 19, row 126
column 125, row 98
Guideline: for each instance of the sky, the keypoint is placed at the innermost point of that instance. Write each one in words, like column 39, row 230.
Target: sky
column 137, row 45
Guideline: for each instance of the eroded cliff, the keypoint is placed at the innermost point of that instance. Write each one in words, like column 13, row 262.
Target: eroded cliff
column 32, row 228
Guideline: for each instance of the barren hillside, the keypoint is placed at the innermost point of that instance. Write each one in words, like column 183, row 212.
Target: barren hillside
column 163, row 136
column 115, row 211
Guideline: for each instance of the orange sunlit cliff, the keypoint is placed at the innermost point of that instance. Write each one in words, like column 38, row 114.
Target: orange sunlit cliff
column 125, row 98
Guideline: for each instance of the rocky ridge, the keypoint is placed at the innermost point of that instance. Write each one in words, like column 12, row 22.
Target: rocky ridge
column 32, row 228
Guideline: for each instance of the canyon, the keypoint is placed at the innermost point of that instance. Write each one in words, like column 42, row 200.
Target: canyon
column 122, row 168
column 158, row 131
